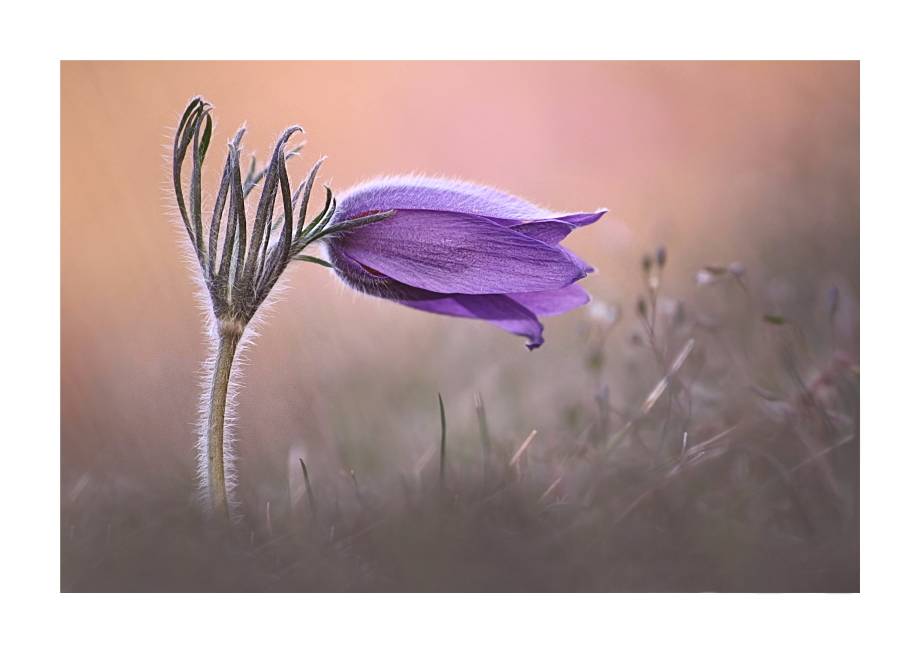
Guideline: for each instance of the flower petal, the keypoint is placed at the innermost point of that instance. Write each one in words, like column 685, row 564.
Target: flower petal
column 372, row 282
column 575, row 219
column 449, row 252
column 500, row 310
column 550, row 232
column 582, row 219
column 434, row 195
column 552, row 302
column 462, row 250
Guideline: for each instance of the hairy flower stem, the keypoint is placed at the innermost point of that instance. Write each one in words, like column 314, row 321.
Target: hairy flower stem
column 241, row 260
column 229, row 338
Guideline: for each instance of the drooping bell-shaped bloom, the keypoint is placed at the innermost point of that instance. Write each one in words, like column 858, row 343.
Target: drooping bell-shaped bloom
column 462, row 250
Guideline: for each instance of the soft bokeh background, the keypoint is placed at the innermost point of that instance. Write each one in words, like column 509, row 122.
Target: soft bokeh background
column 726, row 162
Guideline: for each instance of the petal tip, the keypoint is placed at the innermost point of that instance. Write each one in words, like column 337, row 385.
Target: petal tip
column 597, row 215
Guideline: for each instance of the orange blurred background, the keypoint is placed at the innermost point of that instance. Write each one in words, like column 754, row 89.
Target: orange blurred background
column 720, row 162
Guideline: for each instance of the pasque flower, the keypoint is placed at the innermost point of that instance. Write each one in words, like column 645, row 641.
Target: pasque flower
column 438, row 246
column 240, row 260
column 459, row 249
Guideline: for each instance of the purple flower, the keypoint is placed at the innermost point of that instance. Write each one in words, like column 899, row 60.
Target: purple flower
column 458, row 249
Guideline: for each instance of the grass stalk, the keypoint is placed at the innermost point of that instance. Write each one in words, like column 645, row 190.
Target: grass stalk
column 443, row 447
column 485, row 440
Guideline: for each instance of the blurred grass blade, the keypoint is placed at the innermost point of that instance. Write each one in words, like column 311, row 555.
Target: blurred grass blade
column 354, row 480
column 306, row 481
column 550, row 489
column 517, row 454
column 620, row 435
column 659, row 389
column 443, row 444
column 484, row 438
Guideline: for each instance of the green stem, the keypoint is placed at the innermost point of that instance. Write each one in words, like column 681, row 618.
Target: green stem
column 229, row 338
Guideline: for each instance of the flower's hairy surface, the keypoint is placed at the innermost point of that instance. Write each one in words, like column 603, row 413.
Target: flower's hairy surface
column 459, row 249
column 241, row 255
column 434, row 245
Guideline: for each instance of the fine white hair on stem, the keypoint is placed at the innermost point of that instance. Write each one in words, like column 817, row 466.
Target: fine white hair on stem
column 238, row 261
column 212, row 336
column 230, row 417
column 206, row 374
